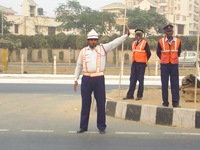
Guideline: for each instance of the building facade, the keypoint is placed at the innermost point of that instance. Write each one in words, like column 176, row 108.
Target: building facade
column 183, row 14
column 32, row 21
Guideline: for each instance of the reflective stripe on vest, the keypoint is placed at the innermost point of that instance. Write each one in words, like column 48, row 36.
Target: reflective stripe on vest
column 139, row 53
column 169, row 53
column 93, row 74
column 84, row 64
column 98, row 63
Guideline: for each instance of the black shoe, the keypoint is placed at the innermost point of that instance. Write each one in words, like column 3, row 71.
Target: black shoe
column 102, row 131
column 81, row 130
column 165, row 105
column 177, row 106
column 138, row 98
column 125, row 98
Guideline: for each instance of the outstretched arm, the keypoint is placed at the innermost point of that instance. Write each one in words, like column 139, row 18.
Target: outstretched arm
column 115, row 43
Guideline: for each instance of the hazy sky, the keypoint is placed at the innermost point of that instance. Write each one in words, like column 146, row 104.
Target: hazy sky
column 50, row 5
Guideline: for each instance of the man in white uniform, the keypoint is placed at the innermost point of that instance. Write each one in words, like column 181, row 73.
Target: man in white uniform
column 92, row 61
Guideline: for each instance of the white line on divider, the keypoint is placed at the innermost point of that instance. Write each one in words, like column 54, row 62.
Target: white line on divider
column 132, row 133
column 4, row 130
column 183, row 133
column 43, row 131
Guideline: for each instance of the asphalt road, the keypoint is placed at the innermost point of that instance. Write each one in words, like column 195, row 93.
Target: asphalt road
column 46, row 117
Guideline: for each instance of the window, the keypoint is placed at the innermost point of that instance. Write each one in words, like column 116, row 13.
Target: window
column 184, row 18
column 16, row 28
column 177, row 17
column 190, row 25
column 179, row 7
column 191, row 54
column 36, row 29
column 172, row 11
column 180, row 29
column 190, row 7
column 51, row 30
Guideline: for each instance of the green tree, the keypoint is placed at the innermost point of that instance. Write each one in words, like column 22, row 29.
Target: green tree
column 104, row 39
column 11, row 45
column 157, row 21
column 61, row 56
column 71, row 41
column 29, row 54
column 50, row 55
column 74, row 16
column 61, row 39
column 51, row 40
column 81, row 41
column 152, row 43
column 146, row 20
column 40, row 42
column 6, row 24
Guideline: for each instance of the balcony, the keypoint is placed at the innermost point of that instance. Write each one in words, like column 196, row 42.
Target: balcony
column 196, row 2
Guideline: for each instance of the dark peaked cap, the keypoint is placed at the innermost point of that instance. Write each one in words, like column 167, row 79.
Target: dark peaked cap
column 168, row 27
column 139, row 31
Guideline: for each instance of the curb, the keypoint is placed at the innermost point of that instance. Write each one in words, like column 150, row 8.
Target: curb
column 167, row 116
column 69, row 79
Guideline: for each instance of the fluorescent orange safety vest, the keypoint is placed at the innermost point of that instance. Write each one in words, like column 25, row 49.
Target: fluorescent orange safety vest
column 169, row 53
column 98, row 63
column 139, row 53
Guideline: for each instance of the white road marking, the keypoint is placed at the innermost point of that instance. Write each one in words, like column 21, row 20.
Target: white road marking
column 43, row 131
column 90, row 132
column 4, row 130
column 183, row 133
column 132, row 133
column 72, row 131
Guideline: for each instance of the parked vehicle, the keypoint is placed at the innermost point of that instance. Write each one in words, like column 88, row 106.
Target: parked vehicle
column 190, row 58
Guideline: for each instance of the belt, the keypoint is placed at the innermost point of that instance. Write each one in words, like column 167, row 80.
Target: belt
column 93, row 74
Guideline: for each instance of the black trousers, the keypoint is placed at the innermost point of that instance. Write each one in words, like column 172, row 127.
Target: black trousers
column 137, row 74
column 96, row 85
column 172, row 71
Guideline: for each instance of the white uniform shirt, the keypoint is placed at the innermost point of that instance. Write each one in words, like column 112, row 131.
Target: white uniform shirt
column 91, row 56
column 170, row 42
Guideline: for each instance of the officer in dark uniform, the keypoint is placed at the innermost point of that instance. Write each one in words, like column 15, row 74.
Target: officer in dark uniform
column 168, row 50
column 141, row 54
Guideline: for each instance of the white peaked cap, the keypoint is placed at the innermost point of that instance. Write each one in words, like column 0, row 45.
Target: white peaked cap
column 92, row 34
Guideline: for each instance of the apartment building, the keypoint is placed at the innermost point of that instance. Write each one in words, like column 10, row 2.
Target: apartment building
column 32, row 21
column 183, row 14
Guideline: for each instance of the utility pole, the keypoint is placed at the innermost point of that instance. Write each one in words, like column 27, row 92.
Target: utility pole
column 174, row 18
column 197, row 62
column 168, row 6
column 122, row 54
column 2, row 22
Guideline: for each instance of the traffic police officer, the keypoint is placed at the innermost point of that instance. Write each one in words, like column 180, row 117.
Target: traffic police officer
column 91, row 61
column 141, row 54
column 168, row 50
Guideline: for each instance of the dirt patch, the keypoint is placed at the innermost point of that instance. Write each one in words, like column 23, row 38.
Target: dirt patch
column 151, row 96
